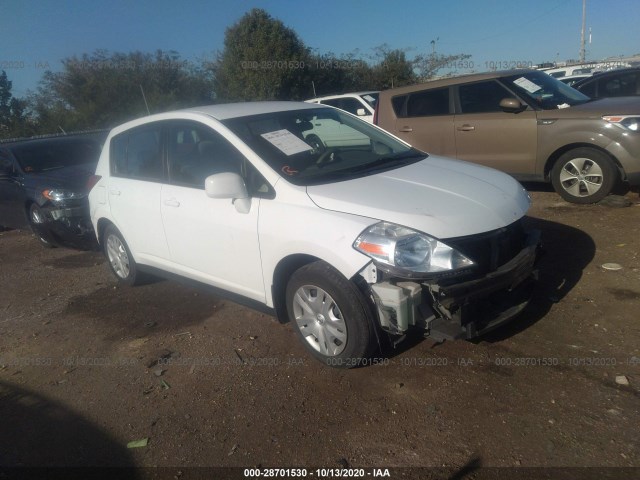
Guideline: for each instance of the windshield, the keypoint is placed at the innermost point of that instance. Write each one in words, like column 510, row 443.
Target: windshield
column 544, row 91
column 314, row 146
column 45, row 155
column 370, row 98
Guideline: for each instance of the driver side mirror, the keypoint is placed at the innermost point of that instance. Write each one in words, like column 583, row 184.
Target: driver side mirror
column 511, row 105
column 229, row 185
column 361, row 112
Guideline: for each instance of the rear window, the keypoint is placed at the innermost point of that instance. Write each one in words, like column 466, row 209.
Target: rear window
column 45, row 155
column 425, row 103
column 428, row 103
column 137, row 154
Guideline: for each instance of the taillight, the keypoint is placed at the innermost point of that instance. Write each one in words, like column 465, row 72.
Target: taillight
column 93, row 179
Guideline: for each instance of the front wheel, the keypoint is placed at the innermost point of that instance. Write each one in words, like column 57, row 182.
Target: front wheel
column 120, row 259
column 584, row 175
column 330, row 316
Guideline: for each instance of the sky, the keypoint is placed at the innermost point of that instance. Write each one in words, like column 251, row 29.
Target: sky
column 37, row 35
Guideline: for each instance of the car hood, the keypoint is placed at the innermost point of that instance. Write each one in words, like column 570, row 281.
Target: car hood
column 441, row 197
column 70, row 178
column 597, row 108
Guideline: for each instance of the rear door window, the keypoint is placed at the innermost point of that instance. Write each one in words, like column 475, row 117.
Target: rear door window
column 138, row 154
column 428, row 103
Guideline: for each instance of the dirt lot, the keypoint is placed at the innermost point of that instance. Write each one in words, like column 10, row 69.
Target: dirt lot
column 86, row 367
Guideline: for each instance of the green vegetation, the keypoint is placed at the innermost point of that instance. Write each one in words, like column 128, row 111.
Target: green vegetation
column 262, row 59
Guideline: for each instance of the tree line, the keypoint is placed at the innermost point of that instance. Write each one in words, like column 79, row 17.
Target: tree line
column 262, row 59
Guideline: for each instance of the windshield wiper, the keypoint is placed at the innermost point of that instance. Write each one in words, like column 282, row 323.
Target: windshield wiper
column 384, row 162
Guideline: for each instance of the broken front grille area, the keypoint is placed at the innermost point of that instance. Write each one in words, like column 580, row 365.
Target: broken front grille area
column 492, row 249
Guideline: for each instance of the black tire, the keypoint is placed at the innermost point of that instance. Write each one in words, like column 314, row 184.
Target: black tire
column 36, row 219
column 341, row 309
column 119, row 258
column 584, row 175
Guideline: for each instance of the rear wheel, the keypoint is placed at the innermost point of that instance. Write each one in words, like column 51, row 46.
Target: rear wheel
column 36, row 222
column 584, row 175
column 330, row 316
column 120, row 259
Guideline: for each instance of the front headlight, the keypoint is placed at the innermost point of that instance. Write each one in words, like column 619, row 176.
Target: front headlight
column 60, row 194
column 628, row 122
column 406, row 250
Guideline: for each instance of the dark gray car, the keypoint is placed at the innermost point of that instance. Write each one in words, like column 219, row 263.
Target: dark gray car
column 43, row 185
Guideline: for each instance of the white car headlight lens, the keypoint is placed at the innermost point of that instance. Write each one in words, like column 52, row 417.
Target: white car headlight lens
column 408, row 250
column 629, row 122
column 60, row 194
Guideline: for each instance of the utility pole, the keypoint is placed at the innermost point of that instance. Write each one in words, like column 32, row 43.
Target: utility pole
column 584, row 22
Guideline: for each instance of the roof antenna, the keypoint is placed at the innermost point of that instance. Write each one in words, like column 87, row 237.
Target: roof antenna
column 145, row 100
column 314, row 88
column 62, row 129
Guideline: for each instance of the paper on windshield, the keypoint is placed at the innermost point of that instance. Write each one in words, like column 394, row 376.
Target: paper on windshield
column 528, row 85
column 369, row 98
column 286, row 142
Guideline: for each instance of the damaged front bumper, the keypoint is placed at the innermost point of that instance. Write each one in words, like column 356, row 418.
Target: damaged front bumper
column 448, row 309
column 68, row 226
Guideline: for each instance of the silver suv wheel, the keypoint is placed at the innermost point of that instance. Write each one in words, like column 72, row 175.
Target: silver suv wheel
column 584, row 175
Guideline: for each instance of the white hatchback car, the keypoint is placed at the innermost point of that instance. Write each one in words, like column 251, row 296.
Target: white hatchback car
column 356, row 244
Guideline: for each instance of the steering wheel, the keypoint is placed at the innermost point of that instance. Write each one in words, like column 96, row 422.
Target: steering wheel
column 327, row 157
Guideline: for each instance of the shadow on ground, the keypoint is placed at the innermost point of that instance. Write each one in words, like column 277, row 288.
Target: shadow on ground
column 40, row 432
column 566, row 251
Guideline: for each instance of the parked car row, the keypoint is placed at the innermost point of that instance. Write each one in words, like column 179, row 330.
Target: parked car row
column 356, row 236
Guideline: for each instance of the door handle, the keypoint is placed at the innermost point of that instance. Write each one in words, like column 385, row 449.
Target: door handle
column 114, row 192
column 406, row 129
column 172, row 202
column 466, row 128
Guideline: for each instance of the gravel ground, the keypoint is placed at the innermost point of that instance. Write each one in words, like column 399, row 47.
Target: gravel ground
column 87, row 367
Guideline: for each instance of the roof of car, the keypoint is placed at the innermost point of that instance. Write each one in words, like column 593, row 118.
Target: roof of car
column 223, row 111
column 472, row 77
column 608, row 73
column 341, row 95
column 243, row 109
